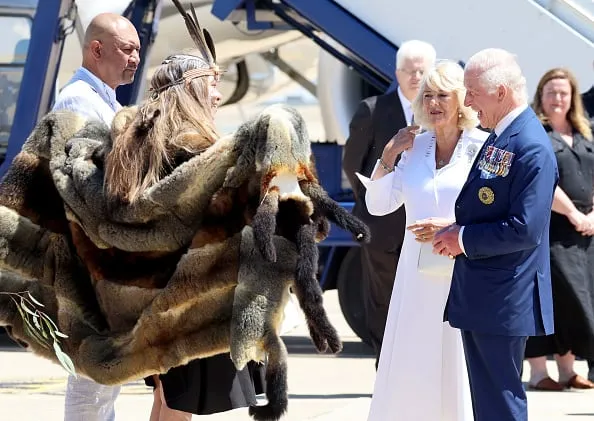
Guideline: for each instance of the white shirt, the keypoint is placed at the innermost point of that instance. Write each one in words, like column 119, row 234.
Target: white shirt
column 499, row 128
column 406, row 106
column 86, row 94
column 508, row 119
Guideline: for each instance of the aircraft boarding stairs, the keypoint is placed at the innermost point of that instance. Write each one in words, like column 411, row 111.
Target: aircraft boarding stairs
column 365, row 34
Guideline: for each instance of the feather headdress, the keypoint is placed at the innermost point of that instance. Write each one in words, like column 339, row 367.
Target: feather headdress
column 201, row 37
column 205, row 53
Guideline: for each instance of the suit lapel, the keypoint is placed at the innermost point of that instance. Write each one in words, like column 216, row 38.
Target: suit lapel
column 388, row 118
column 501, row 142
column 395, row 110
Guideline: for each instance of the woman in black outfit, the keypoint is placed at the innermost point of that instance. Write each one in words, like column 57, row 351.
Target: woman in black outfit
column 558, row 104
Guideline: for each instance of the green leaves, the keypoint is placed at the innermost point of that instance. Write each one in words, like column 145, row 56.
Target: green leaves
column 64, row 359
column 40, row 327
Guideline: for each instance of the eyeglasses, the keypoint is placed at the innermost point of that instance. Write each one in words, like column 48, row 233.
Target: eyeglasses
column 412, row 72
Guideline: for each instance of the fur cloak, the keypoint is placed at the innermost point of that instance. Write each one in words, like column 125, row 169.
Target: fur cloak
column 199, row 265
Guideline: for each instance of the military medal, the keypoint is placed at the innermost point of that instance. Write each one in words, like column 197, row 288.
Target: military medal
column 495, row 162
column 486, row 195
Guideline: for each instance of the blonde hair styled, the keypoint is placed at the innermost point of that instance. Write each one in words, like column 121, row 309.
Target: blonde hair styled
column 447, row 76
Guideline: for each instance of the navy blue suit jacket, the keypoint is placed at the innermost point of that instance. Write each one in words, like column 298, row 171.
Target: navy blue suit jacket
column 502, row 285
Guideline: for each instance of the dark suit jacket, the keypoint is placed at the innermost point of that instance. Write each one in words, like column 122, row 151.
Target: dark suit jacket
column 377, row 119
column 502, row 286
column 588, row 99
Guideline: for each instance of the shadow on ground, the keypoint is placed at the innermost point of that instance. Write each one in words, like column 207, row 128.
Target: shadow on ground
column 335, row 396
column 302, row 345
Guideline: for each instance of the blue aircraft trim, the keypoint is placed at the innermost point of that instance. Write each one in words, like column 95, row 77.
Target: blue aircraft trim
column 371, row 55
column 360, row 39
column 324, row 275
column 135, row 12
column 34, row 77
column 223, row 8
column 252, row 22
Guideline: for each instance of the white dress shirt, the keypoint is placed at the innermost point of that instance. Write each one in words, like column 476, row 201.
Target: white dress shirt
column 499, row 128
column 406, row 107
column 86, row 94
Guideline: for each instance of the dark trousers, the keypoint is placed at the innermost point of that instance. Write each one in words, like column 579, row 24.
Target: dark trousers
column 494, row 370
column 378, row 271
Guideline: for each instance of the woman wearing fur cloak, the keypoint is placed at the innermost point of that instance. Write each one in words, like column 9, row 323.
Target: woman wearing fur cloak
column 154, row 242
column 173, row 125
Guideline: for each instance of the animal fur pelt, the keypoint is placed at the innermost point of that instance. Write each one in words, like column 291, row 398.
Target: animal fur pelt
column 201, row 264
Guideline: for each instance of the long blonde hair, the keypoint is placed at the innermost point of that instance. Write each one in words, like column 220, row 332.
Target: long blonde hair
column 576, row 115
column 177, row 117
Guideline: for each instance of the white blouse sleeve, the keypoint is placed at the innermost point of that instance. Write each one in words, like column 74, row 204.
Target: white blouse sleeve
column 384, row 195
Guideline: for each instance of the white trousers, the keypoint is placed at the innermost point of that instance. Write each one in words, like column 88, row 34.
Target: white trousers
column 89, row 401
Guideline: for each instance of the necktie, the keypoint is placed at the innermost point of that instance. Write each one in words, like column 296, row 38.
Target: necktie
column 490, row 140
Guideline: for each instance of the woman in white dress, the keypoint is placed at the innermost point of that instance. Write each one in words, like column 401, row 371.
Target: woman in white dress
column 422, row 371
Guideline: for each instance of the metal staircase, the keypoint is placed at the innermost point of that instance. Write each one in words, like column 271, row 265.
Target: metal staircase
column 334, row 28
column 365, row 34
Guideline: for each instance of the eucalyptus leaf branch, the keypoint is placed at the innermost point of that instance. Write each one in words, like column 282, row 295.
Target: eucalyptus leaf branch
column 40, row 327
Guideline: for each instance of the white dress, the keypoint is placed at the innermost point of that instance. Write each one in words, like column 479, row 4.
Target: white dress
column 422, row 372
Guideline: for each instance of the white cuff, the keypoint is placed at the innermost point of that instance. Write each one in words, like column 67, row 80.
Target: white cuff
column 368, row 181
column 460, row 242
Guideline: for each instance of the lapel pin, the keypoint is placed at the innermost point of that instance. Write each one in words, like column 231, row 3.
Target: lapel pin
column 486, row 195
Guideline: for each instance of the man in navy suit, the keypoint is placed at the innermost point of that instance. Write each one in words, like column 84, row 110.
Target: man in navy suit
column 501, row 286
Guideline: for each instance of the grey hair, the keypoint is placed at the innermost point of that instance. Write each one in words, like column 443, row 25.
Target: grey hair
column 414, row 49
column 446, row 76
column 499, row 67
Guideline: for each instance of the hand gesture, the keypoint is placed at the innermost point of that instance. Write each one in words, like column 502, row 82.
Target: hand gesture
column 425, row 229
column 400, row 142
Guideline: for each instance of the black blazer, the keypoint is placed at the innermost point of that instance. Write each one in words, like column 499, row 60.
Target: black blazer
column 588, row 99
column 376, row 120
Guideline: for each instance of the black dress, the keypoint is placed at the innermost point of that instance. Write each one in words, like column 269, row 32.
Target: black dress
column 209, row 385
column 572, row 257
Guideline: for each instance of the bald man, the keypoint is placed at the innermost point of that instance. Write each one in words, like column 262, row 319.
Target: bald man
column 110, row 59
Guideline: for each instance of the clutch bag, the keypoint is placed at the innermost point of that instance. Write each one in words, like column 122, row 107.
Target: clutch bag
column 434, row 264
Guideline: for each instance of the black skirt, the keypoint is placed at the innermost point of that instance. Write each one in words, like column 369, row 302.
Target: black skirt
column 572, row 277
column 211, row 385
